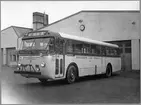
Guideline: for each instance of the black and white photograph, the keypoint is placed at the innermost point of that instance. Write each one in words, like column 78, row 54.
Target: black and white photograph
column 70, row 52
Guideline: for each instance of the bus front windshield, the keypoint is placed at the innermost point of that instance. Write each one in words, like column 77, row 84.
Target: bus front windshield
column 39, row 44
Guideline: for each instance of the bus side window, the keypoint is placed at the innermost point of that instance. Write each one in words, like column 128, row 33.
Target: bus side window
column 51, row 45
column 78, row 47
column 69, row 46
column 103, row 50
column 111, row 52
column 115, row 52
column 93, row 49
column 107, row 51
column 97, row 49
column 87, row 48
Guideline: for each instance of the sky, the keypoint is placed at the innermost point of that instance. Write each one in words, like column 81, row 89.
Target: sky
column 19, row 13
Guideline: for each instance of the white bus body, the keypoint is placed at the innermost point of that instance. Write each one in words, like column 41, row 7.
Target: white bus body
column 54, row 66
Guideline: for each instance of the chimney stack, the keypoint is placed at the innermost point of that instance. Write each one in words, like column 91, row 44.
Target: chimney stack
column 39, row 20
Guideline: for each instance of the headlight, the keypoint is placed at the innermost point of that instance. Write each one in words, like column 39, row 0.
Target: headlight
column 19, row 64
column 21, row 57
column 38, row 69
column 43, row 64
column 18, row 68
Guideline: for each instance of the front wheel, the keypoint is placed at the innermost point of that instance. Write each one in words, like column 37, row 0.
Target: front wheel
column 71, row 74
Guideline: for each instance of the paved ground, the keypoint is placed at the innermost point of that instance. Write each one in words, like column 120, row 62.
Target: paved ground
column 122, row 87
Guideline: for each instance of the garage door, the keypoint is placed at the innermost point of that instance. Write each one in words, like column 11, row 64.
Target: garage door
column 2, row 56
column 125, row 50
column 9, row 57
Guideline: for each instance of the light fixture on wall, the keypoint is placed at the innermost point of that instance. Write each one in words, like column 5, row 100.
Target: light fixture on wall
column 133, row 22
column 80, row 21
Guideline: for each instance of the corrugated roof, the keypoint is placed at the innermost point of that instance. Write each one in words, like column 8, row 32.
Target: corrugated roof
column 20, row 31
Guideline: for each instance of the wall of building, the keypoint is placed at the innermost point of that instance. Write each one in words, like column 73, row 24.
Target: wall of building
column 8, row 38
column 1, row 56
column 135, row 54
column 101, row 26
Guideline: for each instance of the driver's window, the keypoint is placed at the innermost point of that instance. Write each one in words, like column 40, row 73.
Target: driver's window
column 51, row 45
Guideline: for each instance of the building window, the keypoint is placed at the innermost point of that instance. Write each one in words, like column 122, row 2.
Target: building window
column 12, row 57
column 127, row 50
column 128, row 44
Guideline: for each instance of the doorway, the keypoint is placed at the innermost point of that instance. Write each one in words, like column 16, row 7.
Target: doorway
column 125, row 52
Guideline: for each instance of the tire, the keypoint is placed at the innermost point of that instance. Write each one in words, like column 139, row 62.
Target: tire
column 43, row 81
column 71, row 74
column 108, row 71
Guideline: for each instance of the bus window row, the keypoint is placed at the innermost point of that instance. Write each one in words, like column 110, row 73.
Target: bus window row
column 84, row 48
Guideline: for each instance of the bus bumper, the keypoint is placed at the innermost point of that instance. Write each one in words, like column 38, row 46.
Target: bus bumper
column 27, row 72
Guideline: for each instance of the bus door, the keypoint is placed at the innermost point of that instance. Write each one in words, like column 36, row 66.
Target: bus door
column 60, row 58
column 59, row 66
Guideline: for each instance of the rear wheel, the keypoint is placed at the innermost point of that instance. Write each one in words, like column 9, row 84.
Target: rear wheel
column 108, row 71
column 44, row 81
column 71, row 74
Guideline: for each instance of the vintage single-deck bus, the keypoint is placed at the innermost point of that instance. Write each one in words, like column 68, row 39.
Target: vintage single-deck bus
column 49, row 55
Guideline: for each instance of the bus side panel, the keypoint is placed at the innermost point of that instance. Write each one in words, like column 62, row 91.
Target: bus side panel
column 103, row 65
column 68, row 60
column 86, row 64
column 96, row 64
column 115, row 61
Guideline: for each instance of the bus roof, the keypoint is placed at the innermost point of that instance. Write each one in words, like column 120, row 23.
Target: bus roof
column 67, row 36
column 73, row 37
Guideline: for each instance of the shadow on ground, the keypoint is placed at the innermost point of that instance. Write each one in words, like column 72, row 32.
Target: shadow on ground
column 63, row 82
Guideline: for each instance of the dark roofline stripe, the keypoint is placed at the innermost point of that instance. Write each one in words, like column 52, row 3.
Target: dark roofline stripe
column 121, row 11
column 15, row 32
column 16, row 27
column 22, row 27
column 6, row 28
column 111, row 11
